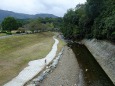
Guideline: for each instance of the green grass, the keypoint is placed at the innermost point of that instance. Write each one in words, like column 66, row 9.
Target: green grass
column 17, row 51
column 2, row 34
column 61, row 44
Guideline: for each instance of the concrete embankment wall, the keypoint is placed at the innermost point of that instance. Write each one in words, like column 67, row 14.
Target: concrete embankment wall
column 104, row 53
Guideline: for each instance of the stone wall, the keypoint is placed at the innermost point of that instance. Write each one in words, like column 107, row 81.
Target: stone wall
column 104, row 53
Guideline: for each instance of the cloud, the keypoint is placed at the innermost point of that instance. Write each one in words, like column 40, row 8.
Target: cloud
column 56, row 7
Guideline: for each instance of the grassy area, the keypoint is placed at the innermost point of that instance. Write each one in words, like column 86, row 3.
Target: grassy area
column 2, row 34
column 61, row 44
column 17, row 51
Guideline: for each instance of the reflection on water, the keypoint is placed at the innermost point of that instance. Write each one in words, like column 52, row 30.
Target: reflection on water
column 93, row 73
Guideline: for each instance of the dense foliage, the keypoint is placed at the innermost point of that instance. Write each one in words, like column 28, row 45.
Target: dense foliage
column 10, row 24
column 94, row 19
column 43, row 24
column 31, row 25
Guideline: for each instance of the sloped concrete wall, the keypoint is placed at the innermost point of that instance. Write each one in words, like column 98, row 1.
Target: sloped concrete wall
column 104, row 53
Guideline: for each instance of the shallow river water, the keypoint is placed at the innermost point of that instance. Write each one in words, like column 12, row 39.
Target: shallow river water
column 92, row 72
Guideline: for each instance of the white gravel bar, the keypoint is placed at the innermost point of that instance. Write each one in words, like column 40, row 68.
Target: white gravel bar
column 34, row 68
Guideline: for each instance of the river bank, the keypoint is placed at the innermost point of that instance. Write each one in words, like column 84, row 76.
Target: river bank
column 104, row 53
column 79, row 70
column 33, row 68
column 92, row 72
column 67, row 73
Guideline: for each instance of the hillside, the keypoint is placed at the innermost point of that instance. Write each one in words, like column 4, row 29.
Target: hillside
column 4, row 14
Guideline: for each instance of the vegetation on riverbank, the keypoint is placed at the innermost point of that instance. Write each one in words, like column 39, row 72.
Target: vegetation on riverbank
column 29, row 25
column 2, row 34
column 94, row 19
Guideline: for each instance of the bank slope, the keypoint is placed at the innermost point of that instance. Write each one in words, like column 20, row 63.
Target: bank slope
column 104, row 53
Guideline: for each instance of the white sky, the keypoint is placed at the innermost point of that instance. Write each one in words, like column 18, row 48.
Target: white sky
column 56, row 7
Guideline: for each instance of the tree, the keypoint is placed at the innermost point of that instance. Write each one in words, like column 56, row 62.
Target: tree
column 35, row 26
column 94, row 19
column 0, row 27
column 70, row 22
column 104, row 24
column 57, row 22
column 9, row 24
column 83, row 20
column 94, row 8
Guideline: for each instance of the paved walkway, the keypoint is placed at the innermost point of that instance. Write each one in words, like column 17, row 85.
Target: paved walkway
column 6, row 36
column 1, row 37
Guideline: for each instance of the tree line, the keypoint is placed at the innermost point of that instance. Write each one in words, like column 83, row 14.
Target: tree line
column 94, row 19
column 33, row 25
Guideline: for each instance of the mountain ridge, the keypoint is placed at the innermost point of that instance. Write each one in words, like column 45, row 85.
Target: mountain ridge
column 5, row 13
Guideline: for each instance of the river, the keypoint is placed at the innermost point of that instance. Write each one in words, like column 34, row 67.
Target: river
column 92, row 72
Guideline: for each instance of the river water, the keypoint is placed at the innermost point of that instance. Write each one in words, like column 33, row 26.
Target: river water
column 92, row 72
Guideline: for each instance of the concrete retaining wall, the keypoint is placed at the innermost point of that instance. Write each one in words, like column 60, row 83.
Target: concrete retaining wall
column 104, row 53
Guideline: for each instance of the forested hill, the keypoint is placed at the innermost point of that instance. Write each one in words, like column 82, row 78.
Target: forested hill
column 4, row 14
column 94, row 19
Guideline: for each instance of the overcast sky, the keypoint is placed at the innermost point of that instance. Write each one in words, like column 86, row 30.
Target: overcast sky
column 56, row 7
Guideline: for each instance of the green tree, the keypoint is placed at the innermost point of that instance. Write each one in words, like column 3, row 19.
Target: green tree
column 104, row 24
column 83, row 20
column 94, row 8
column 94, row 19
column 0, row 27
column 57, row 22
column 37, row 26
column 70, row 21
column 9, row 24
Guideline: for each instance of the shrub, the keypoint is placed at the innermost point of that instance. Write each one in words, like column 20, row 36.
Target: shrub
column 8, row 33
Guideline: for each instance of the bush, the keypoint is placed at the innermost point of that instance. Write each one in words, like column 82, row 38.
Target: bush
column 18, row 32
column 113, row 36
column 3, row 31
column 21, row 30
column 8, row 33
